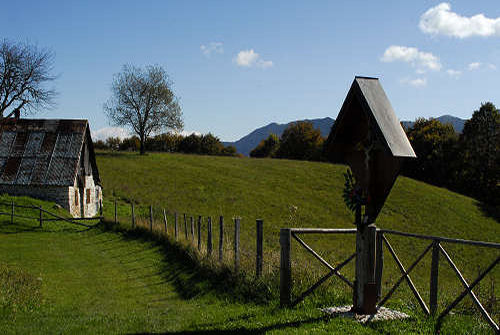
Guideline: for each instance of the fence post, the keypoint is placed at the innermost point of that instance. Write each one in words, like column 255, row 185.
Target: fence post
column 209, row 236
column 41, row 219
column 285, row 267
column 434, row 277
column 191, row 220
column 176, row 229
column 379, row 263
column 165, row 220
column 236, row 244
column 151, row 217
column 12, row 213
column 116, row 220
column 260, row 237
column 199, row 233
column 221, row 239
column 133, row 216
column 185, row 226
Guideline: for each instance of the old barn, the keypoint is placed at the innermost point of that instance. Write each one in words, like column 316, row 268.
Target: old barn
column 52, row 160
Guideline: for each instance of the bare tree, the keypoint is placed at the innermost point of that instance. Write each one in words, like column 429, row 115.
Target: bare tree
column 25, row 71
column 143, row 100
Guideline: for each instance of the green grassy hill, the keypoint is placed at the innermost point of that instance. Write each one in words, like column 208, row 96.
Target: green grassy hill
column 288, row 193
column 68, row 279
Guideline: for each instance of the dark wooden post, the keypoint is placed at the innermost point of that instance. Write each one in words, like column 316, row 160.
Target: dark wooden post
column 221, row 239
column 285, row 267
column 365, row 288
column 40, row 218
column 176, row 229
column 133, row 215
column 151, row 217
column 116, row 218
column 209, row 236
column 165, row 220
column 199, row 233
column 379, row 264
column 191, row 220
column 434, row 278
column 185, row 226
column 260, row 238
column 237, row 244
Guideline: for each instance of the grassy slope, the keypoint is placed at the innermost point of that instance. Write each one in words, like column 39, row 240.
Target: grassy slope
column 268, row 189
column 101, row 282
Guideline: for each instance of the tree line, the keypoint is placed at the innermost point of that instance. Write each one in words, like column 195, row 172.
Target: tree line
column 468, row 163
column 207, row 144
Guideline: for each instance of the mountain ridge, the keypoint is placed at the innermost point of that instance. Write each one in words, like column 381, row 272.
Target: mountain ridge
column 248, row 142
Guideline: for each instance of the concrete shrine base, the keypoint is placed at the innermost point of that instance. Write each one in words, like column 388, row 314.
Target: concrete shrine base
column 382, row 314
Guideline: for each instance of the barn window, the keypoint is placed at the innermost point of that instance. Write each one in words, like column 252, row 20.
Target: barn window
column 76, row 197
column 88, row 195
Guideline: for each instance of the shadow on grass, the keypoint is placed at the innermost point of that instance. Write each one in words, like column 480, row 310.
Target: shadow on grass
column 6, row 227
column 244, row 331
column 193, row 275
column 489, row 210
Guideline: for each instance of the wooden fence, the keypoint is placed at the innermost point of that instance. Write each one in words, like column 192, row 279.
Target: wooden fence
column 436, row 245
column 39, row 217
column 197, row 231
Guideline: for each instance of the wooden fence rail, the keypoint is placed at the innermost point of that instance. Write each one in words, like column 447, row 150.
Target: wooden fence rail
column 39, row 218
column 194, row 231
column 435, row 245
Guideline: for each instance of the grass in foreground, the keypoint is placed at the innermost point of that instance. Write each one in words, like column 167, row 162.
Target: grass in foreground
column 305, row 194
column 117, row 281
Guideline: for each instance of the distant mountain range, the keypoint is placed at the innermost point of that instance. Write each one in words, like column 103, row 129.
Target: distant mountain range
column 248, row 142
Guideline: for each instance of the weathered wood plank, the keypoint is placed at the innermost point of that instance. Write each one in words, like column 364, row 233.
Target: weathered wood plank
column 285, row 267
column 237, row 244
column 433, row 292
column 209, row 236
column 221, row 239
column 259, row 254
column 407, row 277
column 467, row 287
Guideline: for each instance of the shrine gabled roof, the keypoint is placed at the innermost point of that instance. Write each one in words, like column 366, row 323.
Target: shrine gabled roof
column 41, row 151
column 373, row 99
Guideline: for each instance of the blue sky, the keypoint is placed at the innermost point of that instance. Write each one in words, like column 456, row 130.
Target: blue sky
column 239, row 65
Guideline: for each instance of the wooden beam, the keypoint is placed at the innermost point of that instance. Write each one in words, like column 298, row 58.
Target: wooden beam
column 408, row 279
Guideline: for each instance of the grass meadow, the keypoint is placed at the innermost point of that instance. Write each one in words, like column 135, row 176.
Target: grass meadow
column 63, row 278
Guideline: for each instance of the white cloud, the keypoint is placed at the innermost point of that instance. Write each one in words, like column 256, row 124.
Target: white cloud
column 249, row 58
column 104, row 133
column 417, row 82
column 422, row 60
column 440, row 20
column 492, row 66
column 474, row 66
column 212, row 47
column 454, row 73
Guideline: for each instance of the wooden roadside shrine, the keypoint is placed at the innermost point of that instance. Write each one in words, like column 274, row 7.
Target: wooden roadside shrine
column 368, row 137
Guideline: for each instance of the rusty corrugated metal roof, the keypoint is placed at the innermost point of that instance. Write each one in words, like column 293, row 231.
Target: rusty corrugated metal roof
column 40, row 152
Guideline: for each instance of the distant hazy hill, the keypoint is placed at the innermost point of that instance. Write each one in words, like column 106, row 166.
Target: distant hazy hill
column 456, row 122
column 245, row 144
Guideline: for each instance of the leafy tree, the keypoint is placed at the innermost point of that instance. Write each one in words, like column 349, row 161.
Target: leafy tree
column 300, row 141
column 267, row 147
column 230, row 150
column 190, row 144
column 480, row 144
column 435, row 146
column 143, row 100
column 113, row 143
column 210, row 145
column 130, row 144
column 25, row 72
